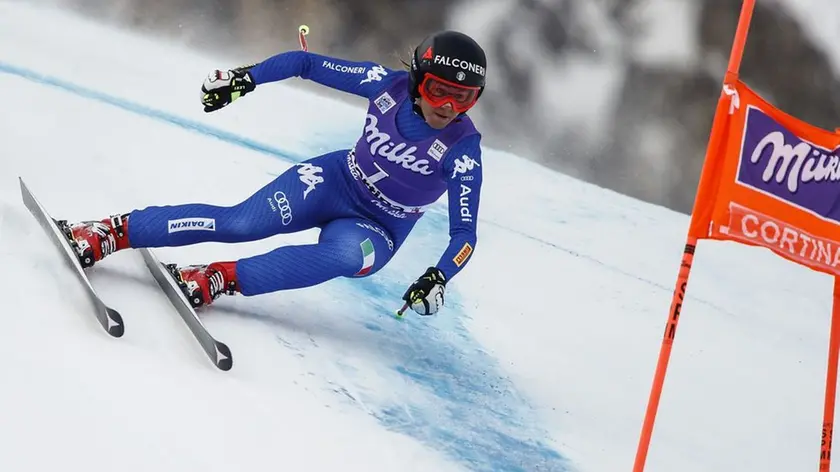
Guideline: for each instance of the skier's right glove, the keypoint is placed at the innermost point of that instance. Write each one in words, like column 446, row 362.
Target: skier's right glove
column 426, row 294
column 223, row 87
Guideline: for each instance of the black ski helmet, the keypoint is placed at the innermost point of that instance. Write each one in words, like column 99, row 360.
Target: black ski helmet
column 450, row 55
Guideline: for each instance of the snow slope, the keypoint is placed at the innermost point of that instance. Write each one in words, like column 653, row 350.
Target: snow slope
column 541, row 362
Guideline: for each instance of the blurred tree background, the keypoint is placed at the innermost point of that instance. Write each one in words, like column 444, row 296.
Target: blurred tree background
column 620, row 93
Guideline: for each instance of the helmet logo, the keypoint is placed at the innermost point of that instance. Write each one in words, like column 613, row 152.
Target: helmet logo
column 459, row 64
column 460, row 76
column 428, row 54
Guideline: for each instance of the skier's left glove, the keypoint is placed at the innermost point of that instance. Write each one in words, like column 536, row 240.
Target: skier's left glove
column 425, row 295
column 223, row 87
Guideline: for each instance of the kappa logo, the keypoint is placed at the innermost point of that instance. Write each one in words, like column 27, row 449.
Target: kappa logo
column 375, row 73
column 191, row 224
column 309, row 176
column 464, row 165
column 735, row 101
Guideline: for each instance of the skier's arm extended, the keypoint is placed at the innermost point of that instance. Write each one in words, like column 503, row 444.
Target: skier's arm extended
column 223, row 87
column 359, row 78
column 463, row 173
column 462, row 168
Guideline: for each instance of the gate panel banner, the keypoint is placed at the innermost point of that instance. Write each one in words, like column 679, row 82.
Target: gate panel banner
column 779, row 184
column 768, row 180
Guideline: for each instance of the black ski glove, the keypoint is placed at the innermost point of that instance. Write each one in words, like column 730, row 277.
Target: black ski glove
column 426, row 294
column 223, row 87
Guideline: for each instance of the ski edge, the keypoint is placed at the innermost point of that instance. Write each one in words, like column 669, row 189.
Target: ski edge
column 110, row 319
column 218, row 352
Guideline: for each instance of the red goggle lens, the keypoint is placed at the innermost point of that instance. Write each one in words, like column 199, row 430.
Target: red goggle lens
column 437, row 92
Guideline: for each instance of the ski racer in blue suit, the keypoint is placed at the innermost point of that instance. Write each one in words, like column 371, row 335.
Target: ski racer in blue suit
column 417, row 143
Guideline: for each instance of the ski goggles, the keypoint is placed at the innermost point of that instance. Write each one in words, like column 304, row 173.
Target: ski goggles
column 438, row 91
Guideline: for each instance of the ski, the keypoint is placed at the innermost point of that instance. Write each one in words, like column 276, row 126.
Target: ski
column 217, row 351
column 109, row 318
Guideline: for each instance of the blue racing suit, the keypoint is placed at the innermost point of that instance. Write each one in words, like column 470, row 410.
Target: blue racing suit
column 361, row 227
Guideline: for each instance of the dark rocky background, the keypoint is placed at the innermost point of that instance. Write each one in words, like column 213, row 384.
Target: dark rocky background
column 571, row 83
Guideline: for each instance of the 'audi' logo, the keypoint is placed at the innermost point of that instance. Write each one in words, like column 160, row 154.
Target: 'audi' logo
column 284, row 207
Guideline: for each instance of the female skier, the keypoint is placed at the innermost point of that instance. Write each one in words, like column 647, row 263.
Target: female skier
column 416, row 144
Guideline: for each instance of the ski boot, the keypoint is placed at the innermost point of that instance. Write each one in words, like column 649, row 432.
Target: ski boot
column 202, row 284
column 94, row 240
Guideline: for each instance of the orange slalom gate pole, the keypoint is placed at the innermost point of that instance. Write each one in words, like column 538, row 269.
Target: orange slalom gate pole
column 740, row 40
column 831, row 381
column 665, row 353
column 698, row 226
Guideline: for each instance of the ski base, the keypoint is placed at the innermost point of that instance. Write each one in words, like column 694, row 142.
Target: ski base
column 110, row 319
column 217, row 351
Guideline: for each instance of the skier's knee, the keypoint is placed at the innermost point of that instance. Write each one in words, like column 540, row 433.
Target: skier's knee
column 355, row 259
column 362, row 248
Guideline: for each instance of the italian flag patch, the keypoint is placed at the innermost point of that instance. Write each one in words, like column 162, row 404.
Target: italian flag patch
column 369, row 257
